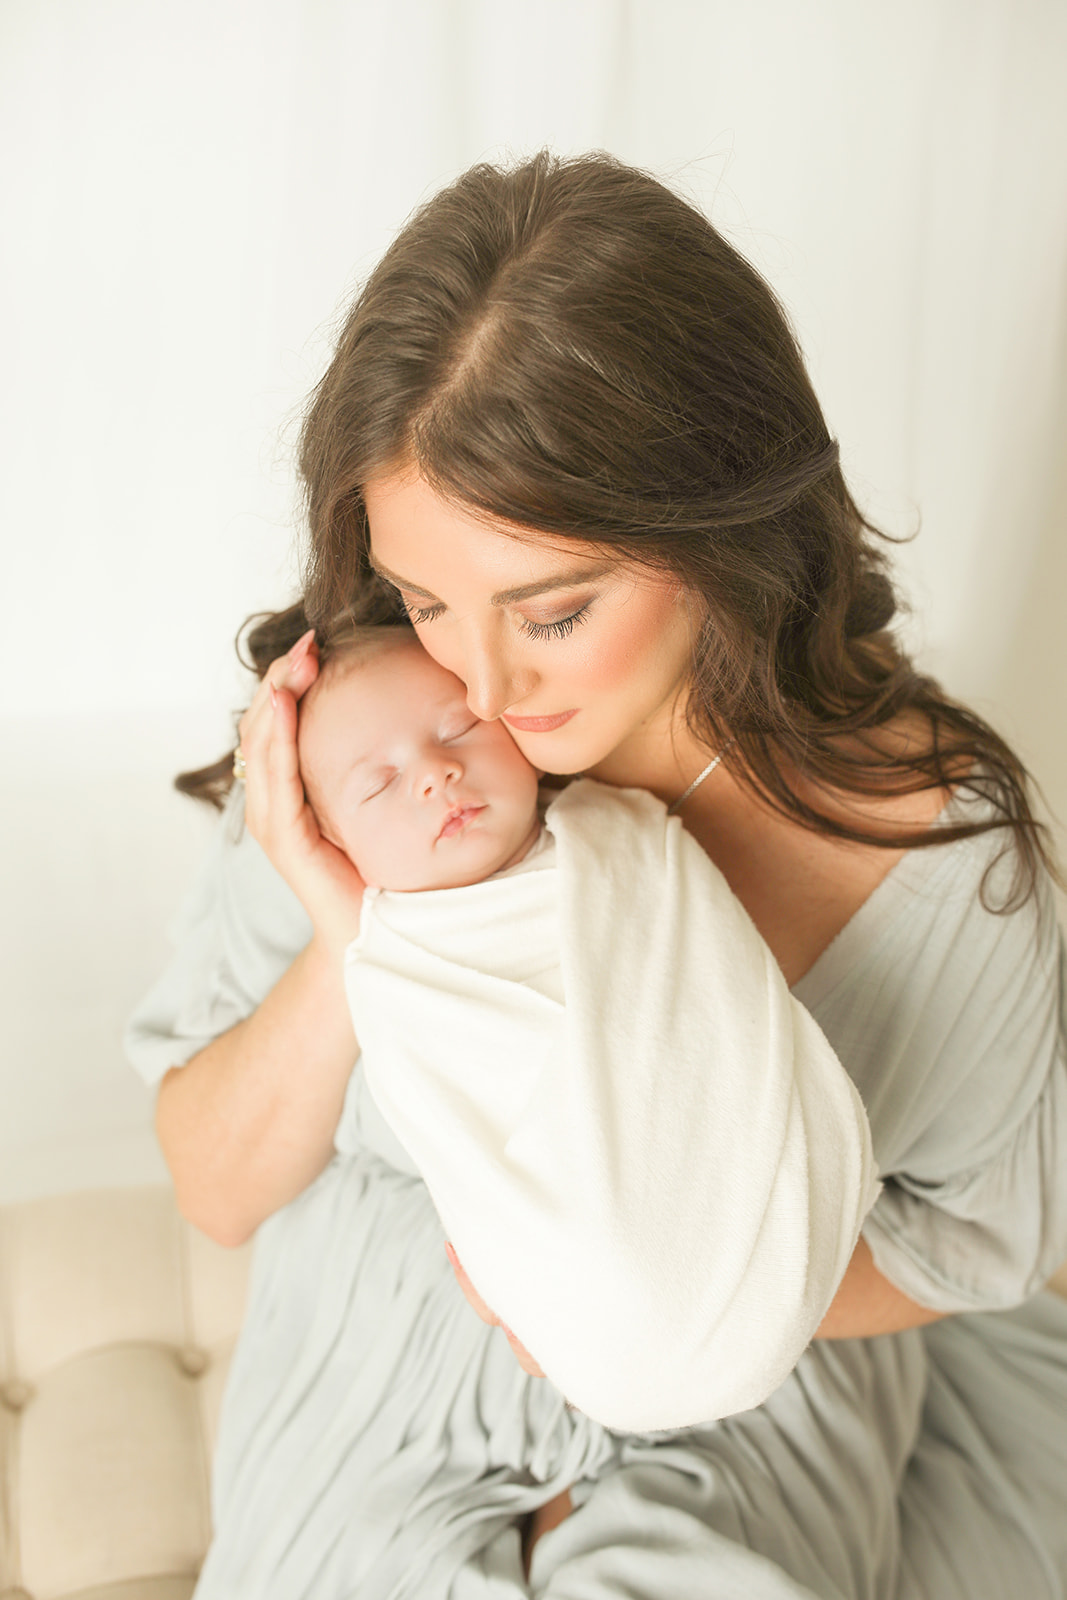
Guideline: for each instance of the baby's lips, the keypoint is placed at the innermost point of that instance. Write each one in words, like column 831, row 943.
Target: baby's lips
column 458, row 811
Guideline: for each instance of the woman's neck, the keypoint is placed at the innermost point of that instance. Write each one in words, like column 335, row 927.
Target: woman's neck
column 664, row 760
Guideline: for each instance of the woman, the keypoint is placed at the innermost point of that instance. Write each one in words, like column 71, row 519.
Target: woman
column 568, row 435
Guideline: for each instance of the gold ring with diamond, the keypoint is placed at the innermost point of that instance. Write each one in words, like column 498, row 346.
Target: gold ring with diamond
column 239, row 765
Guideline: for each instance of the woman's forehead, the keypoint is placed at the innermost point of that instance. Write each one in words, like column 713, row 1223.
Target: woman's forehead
column 416, row 536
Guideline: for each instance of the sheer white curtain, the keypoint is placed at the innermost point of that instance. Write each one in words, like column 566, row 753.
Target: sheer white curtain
column 189, row 191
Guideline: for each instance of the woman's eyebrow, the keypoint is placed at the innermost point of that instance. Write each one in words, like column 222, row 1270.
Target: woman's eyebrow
column 506, row 597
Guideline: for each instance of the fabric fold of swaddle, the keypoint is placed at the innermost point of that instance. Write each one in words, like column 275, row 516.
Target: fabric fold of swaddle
column 647, row 1156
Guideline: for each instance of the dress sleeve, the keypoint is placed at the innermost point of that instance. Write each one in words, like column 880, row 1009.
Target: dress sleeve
column 238, row 931
column 973, row 1212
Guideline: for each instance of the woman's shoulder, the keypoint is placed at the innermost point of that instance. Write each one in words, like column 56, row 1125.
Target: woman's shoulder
column 803, row 885
column 799, row 886
column 951, row 893
column 943, row 1001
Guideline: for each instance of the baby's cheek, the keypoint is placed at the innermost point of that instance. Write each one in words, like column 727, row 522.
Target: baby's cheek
column 384, row 851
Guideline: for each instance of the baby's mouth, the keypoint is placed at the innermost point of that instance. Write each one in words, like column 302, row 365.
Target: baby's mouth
column 458, row 819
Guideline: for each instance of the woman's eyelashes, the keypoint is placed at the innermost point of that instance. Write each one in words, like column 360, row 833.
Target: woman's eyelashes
column 554, row 630
column 418, row 614
column 558, row 629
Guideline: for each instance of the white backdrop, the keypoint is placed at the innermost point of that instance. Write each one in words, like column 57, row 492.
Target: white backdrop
column 189, row 192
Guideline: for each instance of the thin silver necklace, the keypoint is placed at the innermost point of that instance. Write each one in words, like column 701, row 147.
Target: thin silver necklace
column 697, row 781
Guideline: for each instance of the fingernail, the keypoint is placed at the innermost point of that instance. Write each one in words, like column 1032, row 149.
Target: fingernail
column 273, row 698
column 300, row 648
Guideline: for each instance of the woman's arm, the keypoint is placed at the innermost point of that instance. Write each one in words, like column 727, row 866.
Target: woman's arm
column 248, row 1122
column 866, row 1303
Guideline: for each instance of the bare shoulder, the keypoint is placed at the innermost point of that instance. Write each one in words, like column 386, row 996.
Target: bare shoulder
column 802, row 887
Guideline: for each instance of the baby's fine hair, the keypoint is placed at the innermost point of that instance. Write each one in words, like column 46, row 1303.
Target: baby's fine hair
column 345, row 642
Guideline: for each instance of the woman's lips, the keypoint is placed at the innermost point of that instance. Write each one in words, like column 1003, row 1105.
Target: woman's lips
column 458, row 819
column 540, row 724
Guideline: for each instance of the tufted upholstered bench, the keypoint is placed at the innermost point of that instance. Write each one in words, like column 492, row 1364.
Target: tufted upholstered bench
column 117, row 1322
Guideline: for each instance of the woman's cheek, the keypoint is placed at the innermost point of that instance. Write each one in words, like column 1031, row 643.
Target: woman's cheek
column 607, row 665
column 435, row 641
column 647, row 647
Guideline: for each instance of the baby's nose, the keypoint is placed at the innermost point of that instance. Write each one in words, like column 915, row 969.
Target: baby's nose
column 438, row 771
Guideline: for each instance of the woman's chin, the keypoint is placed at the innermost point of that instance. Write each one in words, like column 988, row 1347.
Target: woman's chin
column 573, row 763
column 554, row 757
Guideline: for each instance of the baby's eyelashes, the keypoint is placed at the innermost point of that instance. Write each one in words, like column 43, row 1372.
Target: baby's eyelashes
column 378, row 785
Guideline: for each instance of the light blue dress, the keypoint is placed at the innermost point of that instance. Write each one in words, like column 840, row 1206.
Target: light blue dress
column 378, row 1442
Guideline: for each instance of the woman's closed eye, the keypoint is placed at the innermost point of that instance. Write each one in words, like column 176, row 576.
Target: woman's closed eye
column 554, row 630
column 557, row 629
column 419, row 614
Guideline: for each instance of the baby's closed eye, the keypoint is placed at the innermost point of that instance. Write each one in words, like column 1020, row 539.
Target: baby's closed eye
column 377, row 784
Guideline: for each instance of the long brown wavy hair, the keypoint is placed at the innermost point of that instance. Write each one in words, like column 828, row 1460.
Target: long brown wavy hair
column 568, row 346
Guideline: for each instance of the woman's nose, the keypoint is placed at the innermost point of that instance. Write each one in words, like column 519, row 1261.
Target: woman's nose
column 492, row 684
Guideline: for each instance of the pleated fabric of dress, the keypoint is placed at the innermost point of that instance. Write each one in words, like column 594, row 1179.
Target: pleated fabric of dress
column 378, row 1442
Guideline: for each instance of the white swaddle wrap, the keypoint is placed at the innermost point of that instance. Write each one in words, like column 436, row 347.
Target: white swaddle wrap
column 647, row 1156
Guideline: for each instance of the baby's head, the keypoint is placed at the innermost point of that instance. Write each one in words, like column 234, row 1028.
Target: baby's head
column 417, row 791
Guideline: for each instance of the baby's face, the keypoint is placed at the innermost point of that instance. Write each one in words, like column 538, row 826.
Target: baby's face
column 416, row 791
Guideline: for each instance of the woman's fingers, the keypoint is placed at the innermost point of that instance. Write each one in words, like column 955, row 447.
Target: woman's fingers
column 295, row 672
column 267, row 735
column 474, row 1299
column 285, row 786
column 522, row 1355
column 277, row 813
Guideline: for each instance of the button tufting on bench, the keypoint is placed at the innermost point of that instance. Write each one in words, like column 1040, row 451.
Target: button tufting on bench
column 193, row 1362
column 16, row 1396
column 117, row 1322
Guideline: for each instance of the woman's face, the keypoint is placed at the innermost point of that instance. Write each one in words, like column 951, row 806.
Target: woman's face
column 582, row 655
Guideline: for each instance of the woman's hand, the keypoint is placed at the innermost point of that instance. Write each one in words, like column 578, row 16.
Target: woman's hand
column 522, row 1355
column 549, row 1516
column 249, row 1121
column 276, row 809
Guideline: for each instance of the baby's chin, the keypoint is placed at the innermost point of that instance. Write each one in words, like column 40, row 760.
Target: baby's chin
column 461, row 873
column 462, row 878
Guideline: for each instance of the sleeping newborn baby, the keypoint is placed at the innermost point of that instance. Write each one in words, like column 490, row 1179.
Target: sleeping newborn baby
column 417, row 792
column 643, row 1150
